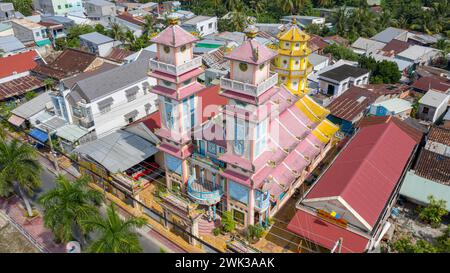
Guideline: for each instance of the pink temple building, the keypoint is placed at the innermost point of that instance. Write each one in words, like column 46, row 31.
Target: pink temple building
column 244, row 147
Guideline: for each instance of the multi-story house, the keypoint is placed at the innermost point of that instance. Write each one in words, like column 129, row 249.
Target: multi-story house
column 98, row 9
column 114, row 98
column 60, row 7
column 29, row 32
column 96, row 43
column 258, row 148
column 7, row 11
column 203, row 25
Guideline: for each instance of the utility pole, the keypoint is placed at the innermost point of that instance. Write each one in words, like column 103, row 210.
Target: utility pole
column 55, row 159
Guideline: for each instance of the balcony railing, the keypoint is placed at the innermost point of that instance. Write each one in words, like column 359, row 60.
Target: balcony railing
column 204, row 192
column 293, row 72
column 248, row 88
column 173, row 69
column 262, row 202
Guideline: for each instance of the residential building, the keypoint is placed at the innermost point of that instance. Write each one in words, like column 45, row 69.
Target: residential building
column 426, row 83
column 318, row 62
column 432, row 106
column 390, row 34
column 17, row 65
column 349, row 108
column 6, row 29
column 7, row 11
column 397, row 107
column 97, row 43
column 60, row 7
column 431, row 173
column 292, row 63
column 114, row 98
column 10, row 45
column 99, row 9
column 366, row 46
column 203, row 25
column 29, row 32
column 26, row 114
column 366, row 171
column 128, row 21
column 54, row 30
column 336, row 81
column 419, row 55
column 394, row 47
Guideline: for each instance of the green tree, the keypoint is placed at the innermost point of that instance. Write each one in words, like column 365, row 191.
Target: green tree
column 443, row 242
column 228, row 223
column 117, row 32
column 30, row 95
column 341, row 52
column 116, row 235
column 405, row 245
column 49, row 83
column 19, row 166
column 255, row 231
column 434, row 211
column 67, row 205
column 149, row 22
column 23, row 6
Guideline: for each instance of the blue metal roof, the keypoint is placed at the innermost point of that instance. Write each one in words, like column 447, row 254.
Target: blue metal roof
column 39, row 135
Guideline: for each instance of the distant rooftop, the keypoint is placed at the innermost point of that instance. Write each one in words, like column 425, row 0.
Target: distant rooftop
column 433, row 98
column 96, row 38
column 343, row 72
column 196, row 19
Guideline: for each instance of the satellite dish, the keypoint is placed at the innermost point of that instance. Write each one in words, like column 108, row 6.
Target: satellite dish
column 73, row 247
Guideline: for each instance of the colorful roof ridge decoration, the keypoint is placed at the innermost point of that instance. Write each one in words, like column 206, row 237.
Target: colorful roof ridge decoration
column 174, row 36
column 251, row 51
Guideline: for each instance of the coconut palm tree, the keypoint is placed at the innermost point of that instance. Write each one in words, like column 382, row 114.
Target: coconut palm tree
column 287, row 6
column 340, row 20
column 116, row 235
column 117, row 32
column 49, row 82
column 66, row 205
column 19, row 167
column 147, row 28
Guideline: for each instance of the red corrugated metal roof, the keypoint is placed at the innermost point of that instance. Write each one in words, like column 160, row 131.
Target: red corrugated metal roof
column 326, row 234
column 17, row 63
column 366, row 172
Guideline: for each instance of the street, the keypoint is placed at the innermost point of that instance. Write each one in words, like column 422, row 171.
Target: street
column 149, row 244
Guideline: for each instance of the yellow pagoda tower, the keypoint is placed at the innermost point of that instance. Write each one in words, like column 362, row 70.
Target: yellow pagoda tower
column 293, row 68
column 292, row 63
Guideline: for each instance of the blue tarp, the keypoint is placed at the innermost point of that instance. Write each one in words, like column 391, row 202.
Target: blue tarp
column 39, row 135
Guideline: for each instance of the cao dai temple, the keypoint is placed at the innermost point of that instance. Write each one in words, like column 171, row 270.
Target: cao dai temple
column 259, row 144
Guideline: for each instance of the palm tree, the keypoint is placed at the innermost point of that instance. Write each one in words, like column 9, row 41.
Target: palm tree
column 147, row 28
column 19, row 167
column 340, row 20
column 287, row 6
column 129, row 37
column 49, row 82
column 116, row 31
column 324, row 3
column 66, row 205
column 116, row 235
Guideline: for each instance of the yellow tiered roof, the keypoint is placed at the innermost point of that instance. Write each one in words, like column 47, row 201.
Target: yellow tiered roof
column 314, row 111
column 293, row 34
column 325, row 130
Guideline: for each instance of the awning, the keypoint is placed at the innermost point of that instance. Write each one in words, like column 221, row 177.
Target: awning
column 326, row 234
column 39, row 135
column 15, row 120
column 71, row 132
column 43, row 42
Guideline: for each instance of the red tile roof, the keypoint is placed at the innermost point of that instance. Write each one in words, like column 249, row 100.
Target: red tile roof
column 411, row 131
column 326, row 234
column 367, row 171
column 433, row 166
column 440, row 135
column 17, row 63
column 130, row 18
column 317, row 43
column 432, row 82
column 19, row 86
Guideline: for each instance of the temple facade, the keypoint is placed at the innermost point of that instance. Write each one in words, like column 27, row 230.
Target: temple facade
column 243, row 146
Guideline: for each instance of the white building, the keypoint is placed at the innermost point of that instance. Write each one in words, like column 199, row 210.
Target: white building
column 432, row 105
column 337, row 80
column 112, row 99
column 204, row 25
column 97, row 43
column 97, row 9
column 420, row 55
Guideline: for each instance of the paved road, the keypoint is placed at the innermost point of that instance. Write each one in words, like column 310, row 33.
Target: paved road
column 149, row 244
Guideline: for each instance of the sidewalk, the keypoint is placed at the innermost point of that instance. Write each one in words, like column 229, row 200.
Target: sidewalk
column 34, row 227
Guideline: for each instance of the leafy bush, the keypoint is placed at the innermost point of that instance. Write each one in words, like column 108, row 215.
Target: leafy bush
column 405, row 245
column 228, row 223
column 255, row 231
column 433, row 212
column 341, row 52
column 216, row 231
